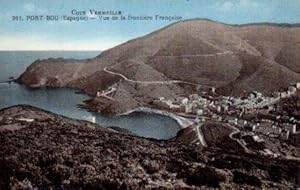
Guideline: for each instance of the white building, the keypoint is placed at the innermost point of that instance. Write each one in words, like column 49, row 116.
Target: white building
column 236, row 121
column 283, row 94
column 188, row 108
column 213, row 90
column 225, row 108
column 294, row 129
column 298, row 85
column 161, row 98
column 257, row 139
column 185, row 101
column 219, row 109
column 200, row 112
column 292, row 89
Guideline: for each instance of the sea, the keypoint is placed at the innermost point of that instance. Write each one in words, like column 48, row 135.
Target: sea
column 66, row 101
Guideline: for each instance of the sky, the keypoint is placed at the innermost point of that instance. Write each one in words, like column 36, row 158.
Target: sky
column 102, row 35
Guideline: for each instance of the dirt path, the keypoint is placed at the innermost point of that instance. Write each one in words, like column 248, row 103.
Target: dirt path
column 199, row 55
column 201, row 136
column 79, row 68
column 153, row 82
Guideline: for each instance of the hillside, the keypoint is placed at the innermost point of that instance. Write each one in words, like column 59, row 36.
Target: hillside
column 50, row 151
column 234, row 59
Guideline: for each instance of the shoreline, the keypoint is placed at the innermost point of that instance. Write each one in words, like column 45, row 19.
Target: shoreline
column 181, row 121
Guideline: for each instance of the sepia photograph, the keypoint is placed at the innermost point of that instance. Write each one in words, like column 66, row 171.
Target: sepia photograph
column 138, row 94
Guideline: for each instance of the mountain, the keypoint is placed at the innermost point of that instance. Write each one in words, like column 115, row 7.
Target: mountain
column 234, row 59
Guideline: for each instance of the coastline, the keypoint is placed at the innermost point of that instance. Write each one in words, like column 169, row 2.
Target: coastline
column 183, row 122
column 206, row 90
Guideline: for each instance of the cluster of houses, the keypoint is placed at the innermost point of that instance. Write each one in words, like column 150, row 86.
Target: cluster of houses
column 196, row 105
column 231, row 109
column 256, row 100
column 290, row 91
column 253, row 101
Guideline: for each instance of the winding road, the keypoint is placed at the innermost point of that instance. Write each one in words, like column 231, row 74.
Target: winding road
column 105, row 94
column 177, row 81
column 153, row 82
column 236, row 131
column 199, row 55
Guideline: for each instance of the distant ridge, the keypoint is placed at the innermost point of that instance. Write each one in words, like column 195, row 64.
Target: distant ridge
column 288, row 25
column 234, row 59
column 281, row 25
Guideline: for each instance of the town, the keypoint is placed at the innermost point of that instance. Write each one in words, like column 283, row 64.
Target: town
column 255, row 115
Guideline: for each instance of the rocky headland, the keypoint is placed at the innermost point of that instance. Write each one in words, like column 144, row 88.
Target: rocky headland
column 179, row 60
